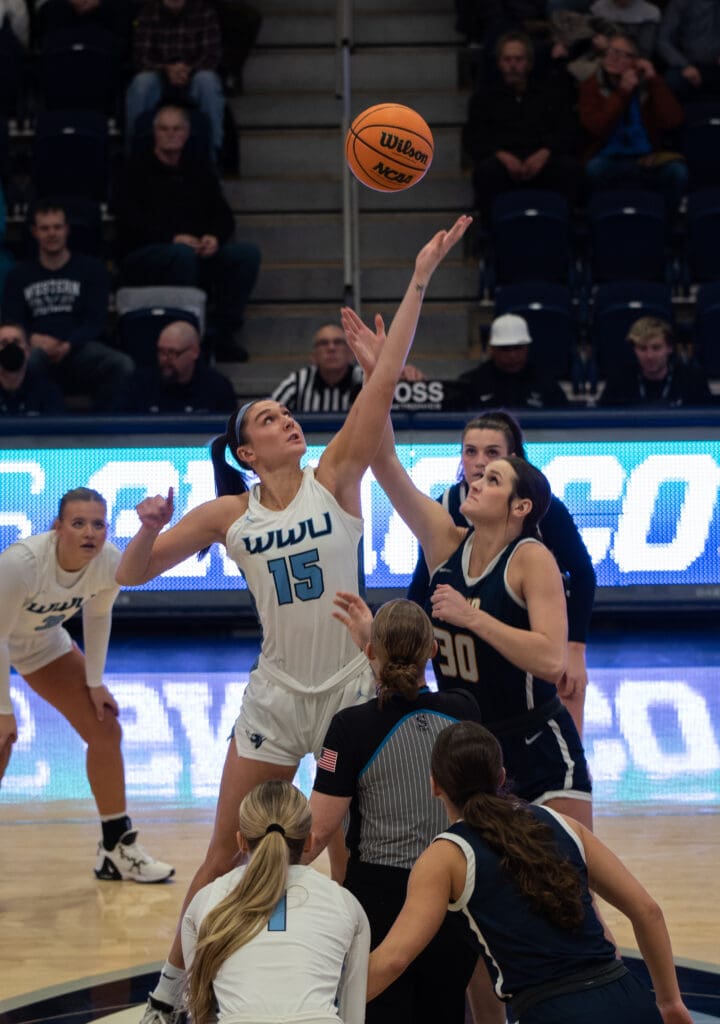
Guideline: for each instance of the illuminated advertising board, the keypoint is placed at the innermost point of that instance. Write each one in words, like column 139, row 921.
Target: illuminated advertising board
column 647, row 511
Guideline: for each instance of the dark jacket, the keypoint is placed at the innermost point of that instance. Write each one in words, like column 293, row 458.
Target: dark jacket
column 37, row 395
column 684, row 384
column 521, row 123
column 206, row 391
column 486, row 386
column 155, row 202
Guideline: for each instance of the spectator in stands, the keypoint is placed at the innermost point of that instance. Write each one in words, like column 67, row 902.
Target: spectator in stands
column 61, row 299
column 174, row 226
column 331, row 380
column 24, row 391
column 626, row 110
column 507, row 379
column 689, row 43
column 520, row 132
column 176, row 53
column 15, row 16
column 581, row 39
column 111, row 15
column 181, row 382
column 659, row 379
column 14, row 40
column 7, row 260
column 484, row 22
column 640, row 19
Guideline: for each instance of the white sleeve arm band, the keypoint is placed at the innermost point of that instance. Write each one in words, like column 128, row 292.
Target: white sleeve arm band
column 97, row 622
column 16, row 581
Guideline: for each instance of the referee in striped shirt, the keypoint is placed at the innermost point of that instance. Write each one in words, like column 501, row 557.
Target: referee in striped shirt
column 375, row 763
column 329, row 383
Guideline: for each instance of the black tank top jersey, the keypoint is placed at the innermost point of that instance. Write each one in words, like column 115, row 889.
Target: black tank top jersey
column 521, row 948
column 464, row 660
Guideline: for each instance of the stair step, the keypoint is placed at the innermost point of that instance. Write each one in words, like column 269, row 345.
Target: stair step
column 370, row 28
column 303, row 238
column 289, row 7
column 320, row 153
column 286, row 331
column 374, row 69
column 318, row 282
column 324, row 109
column 435, row 191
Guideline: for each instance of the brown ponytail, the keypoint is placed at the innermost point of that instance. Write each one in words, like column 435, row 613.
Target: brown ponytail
column 402, row 636
column 467, row 765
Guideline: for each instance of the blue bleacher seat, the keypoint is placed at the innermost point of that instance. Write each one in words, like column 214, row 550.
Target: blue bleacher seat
column 703, row 231
column 79, row 69
column 138, row 330
column 615, row 307
column 701, row 142
column 530, row 238
column 70, row 155
column 628, row 233
column 707, row 328
column 551, row 319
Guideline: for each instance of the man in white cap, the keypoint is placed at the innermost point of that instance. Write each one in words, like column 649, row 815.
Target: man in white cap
column 507, row 379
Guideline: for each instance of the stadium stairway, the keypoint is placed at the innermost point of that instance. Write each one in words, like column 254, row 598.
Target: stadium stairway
column 288, row 195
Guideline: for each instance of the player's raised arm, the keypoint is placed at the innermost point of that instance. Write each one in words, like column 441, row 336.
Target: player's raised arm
column 350, row 452
column 151, row 552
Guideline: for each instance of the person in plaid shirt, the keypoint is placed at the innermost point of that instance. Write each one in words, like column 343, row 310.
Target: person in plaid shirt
column 176, row 51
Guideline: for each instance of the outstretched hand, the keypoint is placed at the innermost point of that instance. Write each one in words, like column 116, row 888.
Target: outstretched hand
column 435, row 251
column 364, row 344
column 156, row 512
column 355, row 615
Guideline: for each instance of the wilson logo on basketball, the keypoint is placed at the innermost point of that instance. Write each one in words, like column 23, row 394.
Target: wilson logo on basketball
column 402, row 146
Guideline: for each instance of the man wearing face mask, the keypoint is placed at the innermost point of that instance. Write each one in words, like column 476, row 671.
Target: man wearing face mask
column 24, row 390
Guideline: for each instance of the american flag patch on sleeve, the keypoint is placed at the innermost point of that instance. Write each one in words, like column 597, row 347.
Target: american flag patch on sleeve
column 328, row 759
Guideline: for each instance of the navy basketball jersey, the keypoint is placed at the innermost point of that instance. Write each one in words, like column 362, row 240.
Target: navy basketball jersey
column 463, row 659
column 521, row 948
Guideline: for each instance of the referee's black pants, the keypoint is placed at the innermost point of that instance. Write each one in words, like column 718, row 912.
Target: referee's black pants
column 432, row 989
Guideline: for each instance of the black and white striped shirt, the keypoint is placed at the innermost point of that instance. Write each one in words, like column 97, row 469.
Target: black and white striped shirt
column 383, row 762
column 304, row 390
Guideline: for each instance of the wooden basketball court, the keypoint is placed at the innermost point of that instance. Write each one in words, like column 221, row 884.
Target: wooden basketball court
column 60, row 925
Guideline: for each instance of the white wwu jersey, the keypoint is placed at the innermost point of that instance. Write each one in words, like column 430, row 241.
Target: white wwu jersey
column 309, row 963
column 37, row 596
column 294, row 561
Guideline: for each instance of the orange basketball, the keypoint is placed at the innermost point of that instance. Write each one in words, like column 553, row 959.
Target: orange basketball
column 389, row 147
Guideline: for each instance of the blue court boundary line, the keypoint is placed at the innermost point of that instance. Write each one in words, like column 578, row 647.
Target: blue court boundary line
column 97, row 997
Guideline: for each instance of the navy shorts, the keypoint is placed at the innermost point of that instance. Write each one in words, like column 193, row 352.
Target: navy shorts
column 547, row 761
column 625, row 1001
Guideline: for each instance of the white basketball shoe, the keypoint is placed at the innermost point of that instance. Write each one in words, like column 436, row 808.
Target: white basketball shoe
column 128, row 861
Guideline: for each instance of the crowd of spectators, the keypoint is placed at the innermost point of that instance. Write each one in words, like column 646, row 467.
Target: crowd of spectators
column 165, row 65
column 533, row 125
column 570, row 96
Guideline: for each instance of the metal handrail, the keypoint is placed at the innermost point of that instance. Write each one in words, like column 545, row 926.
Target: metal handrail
column 350, row 204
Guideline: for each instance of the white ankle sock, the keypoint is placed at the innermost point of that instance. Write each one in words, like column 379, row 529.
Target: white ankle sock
column 170, row 986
